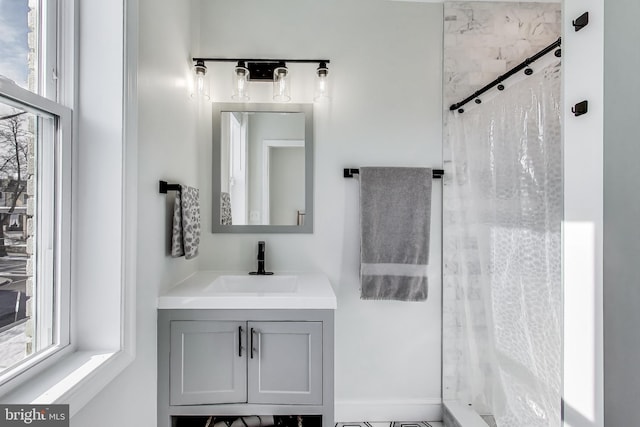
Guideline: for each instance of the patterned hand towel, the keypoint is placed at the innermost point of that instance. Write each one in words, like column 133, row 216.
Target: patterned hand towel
column 186, row 223
column 225, row 209
column 395, row 215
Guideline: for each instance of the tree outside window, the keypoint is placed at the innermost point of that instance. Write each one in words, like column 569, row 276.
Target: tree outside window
column 29, row 133
column 16, row 290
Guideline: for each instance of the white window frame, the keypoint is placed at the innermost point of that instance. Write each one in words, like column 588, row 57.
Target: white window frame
column 49, row 42
column 100, row 349
column 55, row 264
column 59, row 264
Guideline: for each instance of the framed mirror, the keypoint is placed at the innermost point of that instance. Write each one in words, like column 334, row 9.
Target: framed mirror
column 262, row 168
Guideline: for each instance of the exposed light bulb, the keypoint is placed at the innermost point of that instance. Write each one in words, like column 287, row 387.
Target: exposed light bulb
column 322, row 83
column 281, row 87
column 201, row 82
column 241, row 82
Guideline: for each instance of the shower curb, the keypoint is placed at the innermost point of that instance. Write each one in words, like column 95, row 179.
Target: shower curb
column 455, row 414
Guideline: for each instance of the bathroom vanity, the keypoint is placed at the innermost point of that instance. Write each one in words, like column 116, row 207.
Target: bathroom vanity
column 230, row 344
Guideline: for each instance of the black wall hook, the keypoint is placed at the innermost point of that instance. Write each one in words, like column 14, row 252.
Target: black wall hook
column 580, row 108
column 581, row 22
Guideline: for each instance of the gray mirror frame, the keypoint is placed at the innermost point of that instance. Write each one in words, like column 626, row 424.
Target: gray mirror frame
column 307, row 109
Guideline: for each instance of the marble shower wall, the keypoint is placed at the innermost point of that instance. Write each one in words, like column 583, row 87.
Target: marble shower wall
column 485, row 39
column 482, row 40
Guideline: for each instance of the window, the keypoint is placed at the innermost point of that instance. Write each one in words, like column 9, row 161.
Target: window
column 103, row 255
column 35, row 155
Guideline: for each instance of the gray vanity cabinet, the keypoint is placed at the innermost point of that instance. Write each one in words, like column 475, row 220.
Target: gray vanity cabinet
column 285, row 363
column 245, row 362
column 207, row 364
column 282, row 365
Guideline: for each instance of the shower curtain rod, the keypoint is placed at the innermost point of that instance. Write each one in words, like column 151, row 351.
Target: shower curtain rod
column 497, row 82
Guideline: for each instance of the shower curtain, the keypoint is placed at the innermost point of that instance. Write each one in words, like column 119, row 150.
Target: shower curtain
column 502, row 252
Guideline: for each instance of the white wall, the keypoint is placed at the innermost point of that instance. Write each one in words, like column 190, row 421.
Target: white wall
column 582, row 57
column 166, row 150
column 386, row 61
column 621, row 213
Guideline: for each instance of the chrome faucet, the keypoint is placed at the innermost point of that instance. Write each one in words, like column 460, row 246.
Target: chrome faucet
column 261, row 271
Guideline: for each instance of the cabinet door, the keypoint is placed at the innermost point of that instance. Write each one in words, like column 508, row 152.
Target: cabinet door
column 285, row 363
column 208, row 362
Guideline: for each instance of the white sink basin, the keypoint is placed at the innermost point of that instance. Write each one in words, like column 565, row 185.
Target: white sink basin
column 284, row 284
column 239, row 290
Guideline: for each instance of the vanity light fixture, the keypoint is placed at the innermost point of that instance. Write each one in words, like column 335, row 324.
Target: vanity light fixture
column 322, row 84
column 281, row 85
column 240, row 82
column 200, row 81
column 263, row 70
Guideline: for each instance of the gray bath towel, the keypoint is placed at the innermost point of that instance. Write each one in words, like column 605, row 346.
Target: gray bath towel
column 395, row 215
column 185, row 237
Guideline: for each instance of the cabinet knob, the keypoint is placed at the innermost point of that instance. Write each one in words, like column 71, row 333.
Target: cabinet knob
column 239, row 341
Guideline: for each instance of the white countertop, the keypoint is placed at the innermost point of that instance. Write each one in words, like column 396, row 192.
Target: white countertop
column 240, row 291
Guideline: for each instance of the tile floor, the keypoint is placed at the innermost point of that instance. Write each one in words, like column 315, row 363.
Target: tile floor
column 392, row 424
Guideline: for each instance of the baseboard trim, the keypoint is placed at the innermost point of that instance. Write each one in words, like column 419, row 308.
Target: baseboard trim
column 388, row 410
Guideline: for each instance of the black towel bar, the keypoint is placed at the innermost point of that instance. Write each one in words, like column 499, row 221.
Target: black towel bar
column 348, row 173
column 164, row 187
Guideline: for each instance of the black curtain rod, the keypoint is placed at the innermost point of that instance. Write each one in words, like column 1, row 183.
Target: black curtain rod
column 260, row 60
column 522, row 65
column 348, row 173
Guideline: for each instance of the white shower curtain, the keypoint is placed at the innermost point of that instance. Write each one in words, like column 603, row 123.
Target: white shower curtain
column 502, row 252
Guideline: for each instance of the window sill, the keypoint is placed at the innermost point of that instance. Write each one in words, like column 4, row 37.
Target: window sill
column 74, row 380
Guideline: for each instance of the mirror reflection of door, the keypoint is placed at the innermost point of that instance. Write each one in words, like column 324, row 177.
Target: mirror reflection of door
column 283, row 181
column 236, row 184
column 263, row 168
